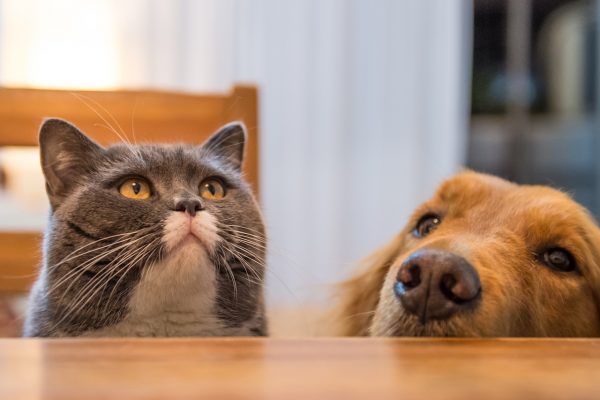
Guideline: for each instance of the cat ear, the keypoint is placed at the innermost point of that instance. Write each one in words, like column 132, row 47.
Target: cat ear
column 67, row 155
column 228, row 143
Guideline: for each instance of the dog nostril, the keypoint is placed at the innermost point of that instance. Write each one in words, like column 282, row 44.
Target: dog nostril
column 410, row 276
column 458, row 291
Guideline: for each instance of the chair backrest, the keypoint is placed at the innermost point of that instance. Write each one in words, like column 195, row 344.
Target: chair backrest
column 157, row 116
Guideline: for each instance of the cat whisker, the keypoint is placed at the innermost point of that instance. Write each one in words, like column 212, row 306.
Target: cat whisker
column 82, row 267
column 255, row 242
column 132, row 119
column 123, row 271
column 86, row 294
column 226, row 222
column 246, row 267
column 273, row 249
column 254, row 238
column 130, row 258
column 106, row 272
column 243, row 230
column 74, row 254
column 253, row 245
column 241, row 259
column 143, row 254
column 118, row 130
column 224, row 264
column 122, row 258
column 257, row 258
column 78, row 270
column 254, row 276
column 124, row 252
column 268, row 271
column 87, row 100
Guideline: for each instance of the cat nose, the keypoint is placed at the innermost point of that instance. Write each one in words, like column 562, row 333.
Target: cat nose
column 191, row 206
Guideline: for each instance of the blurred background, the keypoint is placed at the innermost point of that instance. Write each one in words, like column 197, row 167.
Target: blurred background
column 365, row 105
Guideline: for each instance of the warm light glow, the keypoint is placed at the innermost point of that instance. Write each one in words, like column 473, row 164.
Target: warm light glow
column 23, row 201
column 58, row 43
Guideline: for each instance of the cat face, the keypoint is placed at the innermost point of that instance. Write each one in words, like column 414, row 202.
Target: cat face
column 148, row 240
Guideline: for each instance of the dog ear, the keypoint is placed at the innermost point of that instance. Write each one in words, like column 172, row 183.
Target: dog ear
column 359, row 295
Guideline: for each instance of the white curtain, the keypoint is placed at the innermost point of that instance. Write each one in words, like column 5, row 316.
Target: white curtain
column 363, row 103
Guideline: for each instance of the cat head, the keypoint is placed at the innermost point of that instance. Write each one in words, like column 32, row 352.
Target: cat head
column 138, row 230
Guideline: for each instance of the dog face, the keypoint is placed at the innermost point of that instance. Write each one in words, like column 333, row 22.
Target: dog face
column 483, row 257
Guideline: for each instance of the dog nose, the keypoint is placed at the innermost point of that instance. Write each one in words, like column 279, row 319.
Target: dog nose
column 434, row 284
column 191, row 206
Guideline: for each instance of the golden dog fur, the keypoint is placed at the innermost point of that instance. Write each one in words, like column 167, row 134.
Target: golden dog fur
column 500, row 228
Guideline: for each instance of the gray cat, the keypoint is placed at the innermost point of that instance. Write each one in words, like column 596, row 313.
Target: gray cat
column 148, row 240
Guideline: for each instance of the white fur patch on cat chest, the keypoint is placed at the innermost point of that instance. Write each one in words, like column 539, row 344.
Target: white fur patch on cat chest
column 175, row 297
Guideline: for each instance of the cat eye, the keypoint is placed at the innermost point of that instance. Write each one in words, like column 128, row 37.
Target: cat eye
column 426, row 225
column 559, row 259
column 212, row 189
column 135, row 188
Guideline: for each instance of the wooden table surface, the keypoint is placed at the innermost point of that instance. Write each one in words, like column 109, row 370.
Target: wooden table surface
column 299, row 369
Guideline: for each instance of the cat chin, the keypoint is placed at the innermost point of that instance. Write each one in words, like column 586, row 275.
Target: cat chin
column 183, row 282
column 189, row 246
column 182, row 231
column 189, row 257
column 175, row 297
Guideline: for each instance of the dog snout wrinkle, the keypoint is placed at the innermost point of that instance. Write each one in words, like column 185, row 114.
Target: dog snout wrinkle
column 435, row 284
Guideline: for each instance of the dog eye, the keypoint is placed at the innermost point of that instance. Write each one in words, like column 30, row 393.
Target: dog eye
column 559, row 259
column 426, row 224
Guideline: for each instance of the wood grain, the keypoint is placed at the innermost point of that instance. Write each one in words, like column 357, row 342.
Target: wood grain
column 138, row 115
column 153, row 115
column 299, row 369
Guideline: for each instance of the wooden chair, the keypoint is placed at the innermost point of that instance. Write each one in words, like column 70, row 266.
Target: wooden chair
column 157, row 117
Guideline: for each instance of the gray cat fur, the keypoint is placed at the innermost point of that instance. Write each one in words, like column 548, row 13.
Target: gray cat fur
column 87, row 211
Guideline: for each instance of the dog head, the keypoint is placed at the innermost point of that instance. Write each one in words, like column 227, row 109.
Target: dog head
column 483, row 257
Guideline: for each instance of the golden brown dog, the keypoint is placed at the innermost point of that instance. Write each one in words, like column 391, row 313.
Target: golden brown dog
column 483, row 257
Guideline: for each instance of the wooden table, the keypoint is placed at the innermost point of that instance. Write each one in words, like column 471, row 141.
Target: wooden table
column 299, row 369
